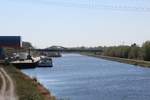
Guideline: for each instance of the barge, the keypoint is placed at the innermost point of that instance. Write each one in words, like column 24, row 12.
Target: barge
column 45, row 62
column 26, row 64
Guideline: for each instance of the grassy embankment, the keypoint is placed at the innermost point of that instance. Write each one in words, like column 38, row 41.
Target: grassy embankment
column 122, row 60
column 0, row 82
column 27, row 88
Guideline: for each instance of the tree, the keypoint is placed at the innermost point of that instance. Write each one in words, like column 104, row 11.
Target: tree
column 146, row 50
column 134, row 52
column 27, row 45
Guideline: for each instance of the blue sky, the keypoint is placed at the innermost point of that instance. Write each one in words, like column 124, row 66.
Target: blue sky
column 76, row 22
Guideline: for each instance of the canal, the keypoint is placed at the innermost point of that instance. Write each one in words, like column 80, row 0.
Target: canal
column 78, row 77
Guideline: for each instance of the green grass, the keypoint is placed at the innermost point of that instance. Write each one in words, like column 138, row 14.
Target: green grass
column 123, row 60
column 25, row 89
column 0, row 82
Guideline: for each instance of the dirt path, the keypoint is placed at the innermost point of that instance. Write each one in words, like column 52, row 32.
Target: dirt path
column 7, row 92
column 3, row 87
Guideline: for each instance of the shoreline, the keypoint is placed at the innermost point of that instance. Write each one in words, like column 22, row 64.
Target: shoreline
column 28, row 88
column 122, row 60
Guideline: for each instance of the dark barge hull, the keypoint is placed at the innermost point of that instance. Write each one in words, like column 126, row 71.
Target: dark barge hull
column 44, row 66
column 25, row 65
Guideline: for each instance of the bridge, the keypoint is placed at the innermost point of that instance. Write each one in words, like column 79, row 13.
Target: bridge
column 68, row 50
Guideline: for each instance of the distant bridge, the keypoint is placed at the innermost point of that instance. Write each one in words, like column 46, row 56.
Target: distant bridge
column 67, row 50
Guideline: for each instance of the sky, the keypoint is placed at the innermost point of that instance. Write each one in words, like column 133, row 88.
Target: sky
column 73, row 23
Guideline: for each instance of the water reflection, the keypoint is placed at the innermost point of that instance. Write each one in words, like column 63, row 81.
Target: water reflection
column 77, row 77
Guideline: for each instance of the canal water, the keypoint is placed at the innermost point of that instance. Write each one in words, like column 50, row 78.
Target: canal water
column 77, row 77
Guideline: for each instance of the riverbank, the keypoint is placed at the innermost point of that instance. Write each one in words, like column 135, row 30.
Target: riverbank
column 27, row 88
column 123, row 60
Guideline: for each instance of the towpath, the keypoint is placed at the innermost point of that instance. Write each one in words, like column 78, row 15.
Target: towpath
column 7, row 90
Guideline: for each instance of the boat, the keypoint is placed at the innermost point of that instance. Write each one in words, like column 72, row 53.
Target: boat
column 45, row 62
column 26, row 64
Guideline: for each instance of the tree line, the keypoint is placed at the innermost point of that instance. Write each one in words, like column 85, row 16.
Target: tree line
column 131, row 52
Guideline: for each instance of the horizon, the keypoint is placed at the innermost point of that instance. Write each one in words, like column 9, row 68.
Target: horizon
column 91, row 46
column 76, row 23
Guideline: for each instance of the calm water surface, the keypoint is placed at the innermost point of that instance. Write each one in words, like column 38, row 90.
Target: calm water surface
column 77, row 77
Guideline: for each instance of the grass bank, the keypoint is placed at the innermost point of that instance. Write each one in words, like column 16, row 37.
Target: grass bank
column 0, row 82
column 27, row 88
column 122, row 60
